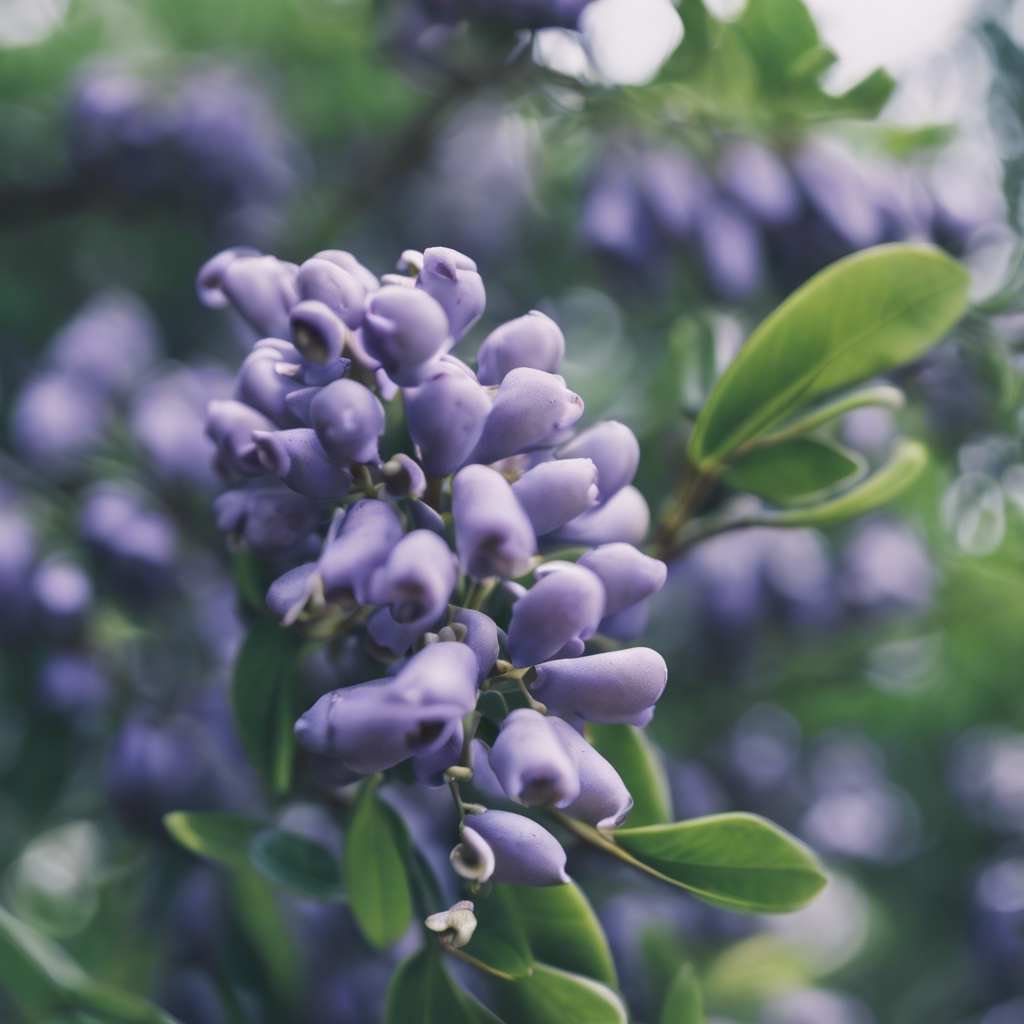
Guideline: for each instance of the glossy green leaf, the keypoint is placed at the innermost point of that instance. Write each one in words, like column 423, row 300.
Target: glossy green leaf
column 635, row 758
column 219, row 835
column 378, row 885
column 297, row 863
column 423, row 992
column 736, row 861
column 263, row 701
column 562, row 929
column 856, row 319
column 500, row 940
column 553, row 996
column 796, row 470
column 683, row 1003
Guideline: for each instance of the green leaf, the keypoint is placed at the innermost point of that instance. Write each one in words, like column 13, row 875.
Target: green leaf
column 736, row 861
column 422, row 992
column 636, row 760
column 500, row 941
column 797, row 470
column 378, row 885
column 858, row 318
column 218, row 835
column 263, row 701
column 683, row 1003
column 430, row 899
column 553, row 996
column 905, row 465
column 781, row 33
column 562, row 929
column 866, row 98
column 297, row 863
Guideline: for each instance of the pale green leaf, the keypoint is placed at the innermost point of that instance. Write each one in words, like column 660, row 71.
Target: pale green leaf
column 683, row 1003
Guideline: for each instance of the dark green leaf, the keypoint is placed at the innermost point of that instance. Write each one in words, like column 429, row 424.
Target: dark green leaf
column 562, row 929
column 737, row 861
column 430, row 899
column 378, row 885
column 797, row 470
column 552, row 996
column 781, row 33
column 297, row 863
column 636, row 760
column 858, row 318
column 218, row 835
column 500, row 940
column 263, row 700
column 683, row 1003
column 422, row 992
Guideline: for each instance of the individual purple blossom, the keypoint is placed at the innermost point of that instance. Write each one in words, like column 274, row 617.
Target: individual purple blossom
column 340, row 290
column 481, row 638
column 357, row 543
column 260, row 386
column 62, row 594
column 404, row 328
column 316, row 331
column 403, row 477
column 298, row 458
column 446, row 416
column 209, row 279
column 613, row 448
column 611, row 687
column 484, row 778
column 288, row 593
column 531, row 762
column 533, row 340
column 262, row 289
column 532, row 409
column 267, row 519
column 758, row 180
column 417, row 579
column 555, row 492
column 349, row 263
column 348, row 419
column 430, row 768
column 503, row 847
column 627, row 624
column 230, row 425
column 393, row 636
column 440, row 672
column 426, row 518
column 732, row 250
column 603, row 799
column 493, row 535
column 629, row 576
column 555, row 616
column 453, row 281
column 625, row 518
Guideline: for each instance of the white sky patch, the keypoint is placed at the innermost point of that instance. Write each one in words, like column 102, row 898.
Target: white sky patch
column 630, row 39
column 27, row 22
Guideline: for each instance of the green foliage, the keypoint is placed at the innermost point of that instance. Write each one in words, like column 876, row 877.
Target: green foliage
column 736, row 861
column 638, row 763
column 375, row 872
column 862, row 316
column 553, row 996
column 683, row 1003
column 218, row 835
column 297, row 863
column 422, row 992
column 500, row 942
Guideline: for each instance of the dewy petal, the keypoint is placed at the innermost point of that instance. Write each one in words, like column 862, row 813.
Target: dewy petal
column 452, row 280
column 604, row 800
column 613, row 448
column 628, row 574
column 534, row 340
column 531, row 762
column 624, row 517
column 555, row 492
column 523, row 852
column 610, row 687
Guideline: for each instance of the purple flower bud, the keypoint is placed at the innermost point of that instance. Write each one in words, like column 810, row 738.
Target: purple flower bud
column 348, row 419
column 208, row 280
column 393, row 636
column 62, row 593
column 533, row 340
column 732, row 250
column 521, row 851
column 531, row 762
column 267, row 519
column 553, row 493
column 115, row 520
column 319, row 376
column 426, row 518
column 628, row 624
column 290, row 590
column 417, row 579
column 604, row 800
column 230, row 425
column 759, row 180
column 298, row 458
column 613, row 448
column 628, row 575
column 442, row 673
column 624, row 517
column 484, row 778
column 262, row 289
column 674, row 187
column 317, row 331
column 404, row 328
column 72, row 683
column 348, row 262
column 446, row 416
column 385, row 385
column 532, row 409
column 451, row 278
column 555, row 616
column 609, row 688
column 260, row 386
column 403, row 477
column 298, row 403
column 430, row 768
column 329, row 772
column 493, row 535
column 340, row 290
column 355, row 547
column 481, row 638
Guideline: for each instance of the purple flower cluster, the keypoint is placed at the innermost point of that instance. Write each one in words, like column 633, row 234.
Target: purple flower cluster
column 417, row 548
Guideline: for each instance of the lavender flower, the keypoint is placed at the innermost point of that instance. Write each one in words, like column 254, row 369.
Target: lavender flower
column 348, row 420
column 404, row 328
column 534, row 340
column 554, row 493
column 417, row 579
column 614, row 450
column 498, row 846
column 603, row 799
column 452, row 280
column 531, row 762
column 299, row 459
column 358, row 542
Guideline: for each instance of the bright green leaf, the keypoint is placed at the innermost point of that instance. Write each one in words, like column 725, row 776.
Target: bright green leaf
column 423, row 992
column 636, row 760
column 780, row 33
column 219, row 835
column 683, row 1003
column 797, row 470
column 562, row 929
column 378, row 886
column 856, row 319
column 737, row 861
column 552, row 996
column 263, row 700
column 297, row 863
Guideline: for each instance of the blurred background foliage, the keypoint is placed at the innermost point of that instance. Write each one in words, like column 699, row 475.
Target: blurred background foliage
column 657, row 192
